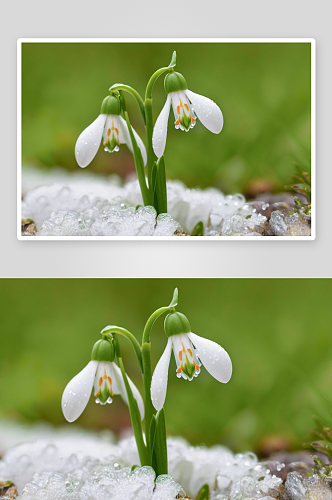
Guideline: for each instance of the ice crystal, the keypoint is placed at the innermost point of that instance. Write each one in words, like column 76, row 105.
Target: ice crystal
column 88, row 205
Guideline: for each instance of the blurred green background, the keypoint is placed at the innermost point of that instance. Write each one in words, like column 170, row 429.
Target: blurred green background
column 277, row 332
column 263, row 90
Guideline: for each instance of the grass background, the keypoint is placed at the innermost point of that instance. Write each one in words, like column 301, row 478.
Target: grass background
column 263, row 90
column 277, row 332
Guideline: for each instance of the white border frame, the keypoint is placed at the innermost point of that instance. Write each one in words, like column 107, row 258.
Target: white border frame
column 312, row 41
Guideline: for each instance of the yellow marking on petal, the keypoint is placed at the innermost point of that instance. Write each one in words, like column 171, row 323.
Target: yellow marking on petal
column 178, row 109
column 181, row 104
column 97, row 393
column 180, row 355
column 100, row 380
column 179, row 370
column 183, row 349
column 177, row 121
column 113, row 125
column 196, row 366
column 190, row 352
column 116, row 131
column 187, row 107
column 110, row 380
column 108, row 132
column 105, row 376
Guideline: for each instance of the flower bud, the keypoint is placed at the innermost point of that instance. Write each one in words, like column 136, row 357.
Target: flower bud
column 174, row 82
column 176, row 324
column 103, row 350
column 111, row 105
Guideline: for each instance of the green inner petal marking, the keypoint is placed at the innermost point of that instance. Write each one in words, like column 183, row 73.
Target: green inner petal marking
column 112, row 144
column 104, row 395
column 188, row 369
column 185, row 121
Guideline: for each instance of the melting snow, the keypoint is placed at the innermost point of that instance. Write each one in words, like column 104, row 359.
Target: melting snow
column 83, row 204
column 84, row 466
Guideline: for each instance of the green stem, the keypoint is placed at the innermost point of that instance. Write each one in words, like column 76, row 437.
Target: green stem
column 139, row 165
column 108, row 330
column 149, row 131
column 156, row 75
column 149, row 117
column 133, row 92
column 144, row 455
column 147, row 370
column 149, row 408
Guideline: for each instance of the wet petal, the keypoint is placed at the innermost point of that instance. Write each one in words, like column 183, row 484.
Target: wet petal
column 77, row 392
column 207, row 111
column 88, row 142
column 160, row 378
column 127, row 139
column 214, row 357
column 120, row 388
column 160, row 129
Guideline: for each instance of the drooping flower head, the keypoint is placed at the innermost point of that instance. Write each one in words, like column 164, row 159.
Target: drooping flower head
column 187, row 105
column 190, row 351
column 103, row 376
column 110, row 128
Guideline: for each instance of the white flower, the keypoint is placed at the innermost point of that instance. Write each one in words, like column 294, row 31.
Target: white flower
column 106, row 380
column 212, row 356
column 113, row 130
column 186, row 106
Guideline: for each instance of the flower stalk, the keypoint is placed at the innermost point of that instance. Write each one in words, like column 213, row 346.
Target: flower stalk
column 105, row 374
column 113, row 129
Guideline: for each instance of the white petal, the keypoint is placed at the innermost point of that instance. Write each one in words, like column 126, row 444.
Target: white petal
column 120, row 388
column 160, row 378
column 77, row 393
column 127, row 139
column 214, row 358
column 88, row 142
column 160, row 129
column 207, row 111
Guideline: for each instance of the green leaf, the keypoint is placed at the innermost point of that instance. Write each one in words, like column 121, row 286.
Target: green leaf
column 175, row 298
column 152, row 440
column 159, row 186
column 158, row 443
column 173, row 60
column 198, row 229
column 203, row 493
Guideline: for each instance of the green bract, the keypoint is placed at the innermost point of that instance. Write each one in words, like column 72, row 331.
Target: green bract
column 111, row 105
column 175, row 324
column 174, row 82
column 103, row 350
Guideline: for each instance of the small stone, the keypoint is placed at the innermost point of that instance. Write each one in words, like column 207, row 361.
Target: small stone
column 7, row 490
column 28, row 227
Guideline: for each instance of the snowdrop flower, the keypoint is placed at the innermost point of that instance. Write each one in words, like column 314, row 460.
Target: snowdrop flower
column 188, row 358
column 103, row 376
column 187, row 105
column 109, row 127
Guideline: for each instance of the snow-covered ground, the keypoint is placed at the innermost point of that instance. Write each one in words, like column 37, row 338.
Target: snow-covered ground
column 83, row 204
column 70, row 464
